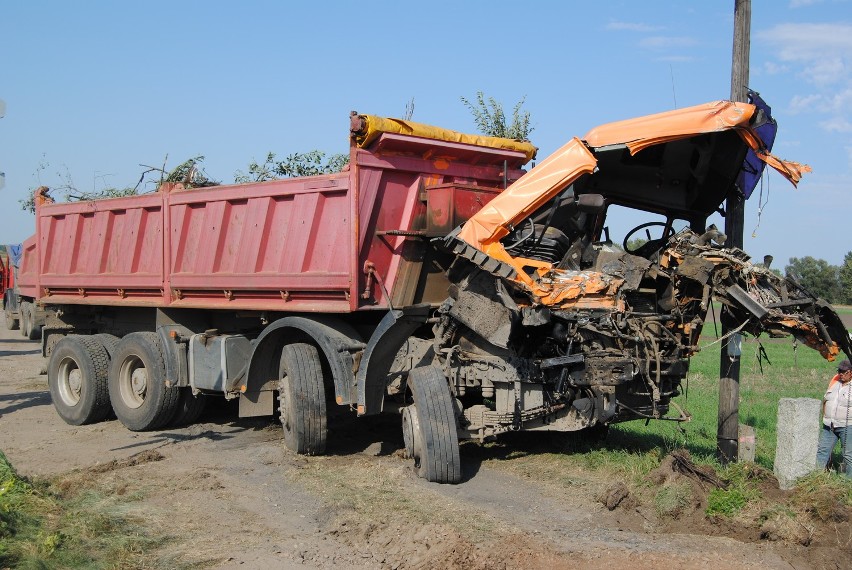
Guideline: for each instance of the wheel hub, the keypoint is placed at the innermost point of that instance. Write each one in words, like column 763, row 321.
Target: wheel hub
column 411, row 433
column 284, row 403
column 139, row 381
column 75, row 382
column 69, row 382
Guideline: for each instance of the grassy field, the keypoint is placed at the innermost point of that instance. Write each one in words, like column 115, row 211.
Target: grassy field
column 66, row 523
column 787, row 371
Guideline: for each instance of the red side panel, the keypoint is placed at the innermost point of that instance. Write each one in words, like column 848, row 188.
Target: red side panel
column 394, row 181
column 106, row 248
column 282, row 245
column 27, row 271
column 299, row 244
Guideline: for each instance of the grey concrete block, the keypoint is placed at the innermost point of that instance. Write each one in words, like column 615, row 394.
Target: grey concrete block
column 798, row 432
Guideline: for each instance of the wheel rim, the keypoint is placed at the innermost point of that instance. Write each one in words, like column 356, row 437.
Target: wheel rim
column 411, row 434
column 133, row 382
column 69, row 382
column 284, row 404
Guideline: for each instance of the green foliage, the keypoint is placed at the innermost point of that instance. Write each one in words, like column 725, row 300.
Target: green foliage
column 818, row 277
column 190, row 174
column 310, row 163
column 673, row 499
column 42, row 529
column 824, row 495
column 743, row 481
column 491, row 119
column 636, row 243
column 409, row 110
column 845, row 274
column 727, row 502
column 791, row 371
column 20, row 522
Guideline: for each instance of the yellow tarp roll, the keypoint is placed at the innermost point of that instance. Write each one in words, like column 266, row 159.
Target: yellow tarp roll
column 375, row 126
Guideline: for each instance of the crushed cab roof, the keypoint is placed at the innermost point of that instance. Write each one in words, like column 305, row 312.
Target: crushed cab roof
column 682, row 162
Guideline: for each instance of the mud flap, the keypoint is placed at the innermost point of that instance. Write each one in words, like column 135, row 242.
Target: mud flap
column 391, row 334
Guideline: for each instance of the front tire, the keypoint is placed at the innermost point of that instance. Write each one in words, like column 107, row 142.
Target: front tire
column 301, row 396
column 137, row 383
column 429, row 427
column 77, row 378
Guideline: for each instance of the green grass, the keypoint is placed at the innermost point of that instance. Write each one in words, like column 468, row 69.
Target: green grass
column 789, row 372
column 843, row 309
column 45, row 526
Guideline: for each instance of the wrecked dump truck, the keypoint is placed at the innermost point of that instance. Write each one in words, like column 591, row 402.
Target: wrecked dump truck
column 433, row 278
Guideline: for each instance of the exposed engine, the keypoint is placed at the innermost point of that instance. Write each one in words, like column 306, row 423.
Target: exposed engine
column 616, row 348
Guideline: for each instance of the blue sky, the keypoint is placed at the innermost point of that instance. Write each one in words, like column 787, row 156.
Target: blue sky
column 94, row 89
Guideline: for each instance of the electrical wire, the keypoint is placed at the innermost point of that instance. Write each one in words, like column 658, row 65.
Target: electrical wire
column 760, row 203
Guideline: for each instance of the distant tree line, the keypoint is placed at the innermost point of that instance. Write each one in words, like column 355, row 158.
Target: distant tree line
column 830, row 282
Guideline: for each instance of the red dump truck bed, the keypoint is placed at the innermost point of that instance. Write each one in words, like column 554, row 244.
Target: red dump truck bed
column 331, row 243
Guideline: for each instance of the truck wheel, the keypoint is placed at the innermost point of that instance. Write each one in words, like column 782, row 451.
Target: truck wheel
column 137, row 383
column 33, row 329
column 108, row 341
column 429, row 427
column 22, row 311
column 77, row 377
column 301, row 395
column 189, row 408
column 11, row 322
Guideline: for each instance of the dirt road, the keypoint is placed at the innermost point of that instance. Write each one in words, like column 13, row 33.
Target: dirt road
column 232, row 496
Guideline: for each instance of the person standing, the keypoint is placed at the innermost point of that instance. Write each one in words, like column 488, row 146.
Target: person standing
column 836, row 418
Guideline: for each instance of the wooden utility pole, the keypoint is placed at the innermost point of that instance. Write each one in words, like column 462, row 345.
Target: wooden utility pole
column 727, row 443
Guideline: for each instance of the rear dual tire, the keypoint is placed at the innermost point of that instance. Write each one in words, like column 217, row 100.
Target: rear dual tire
column 137, row 383
column 189, row 408
column 29, row 328
column 77, row 378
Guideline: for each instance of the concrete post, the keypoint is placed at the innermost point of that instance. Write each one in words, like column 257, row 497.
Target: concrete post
column 798, row 433
column 747, row 444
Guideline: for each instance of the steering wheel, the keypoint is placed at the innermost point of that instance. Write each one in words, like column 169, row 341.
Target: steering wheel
column 650, row 246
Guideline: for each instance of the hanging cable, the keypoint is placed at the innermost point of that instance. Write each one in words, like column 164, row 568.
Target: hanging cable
column 760, row 203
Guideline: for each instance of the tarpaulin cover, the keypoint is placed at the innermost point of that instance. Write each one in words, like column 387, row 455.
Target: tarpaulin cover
column 753, row 166
column 15, row 252
column 375, row 126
